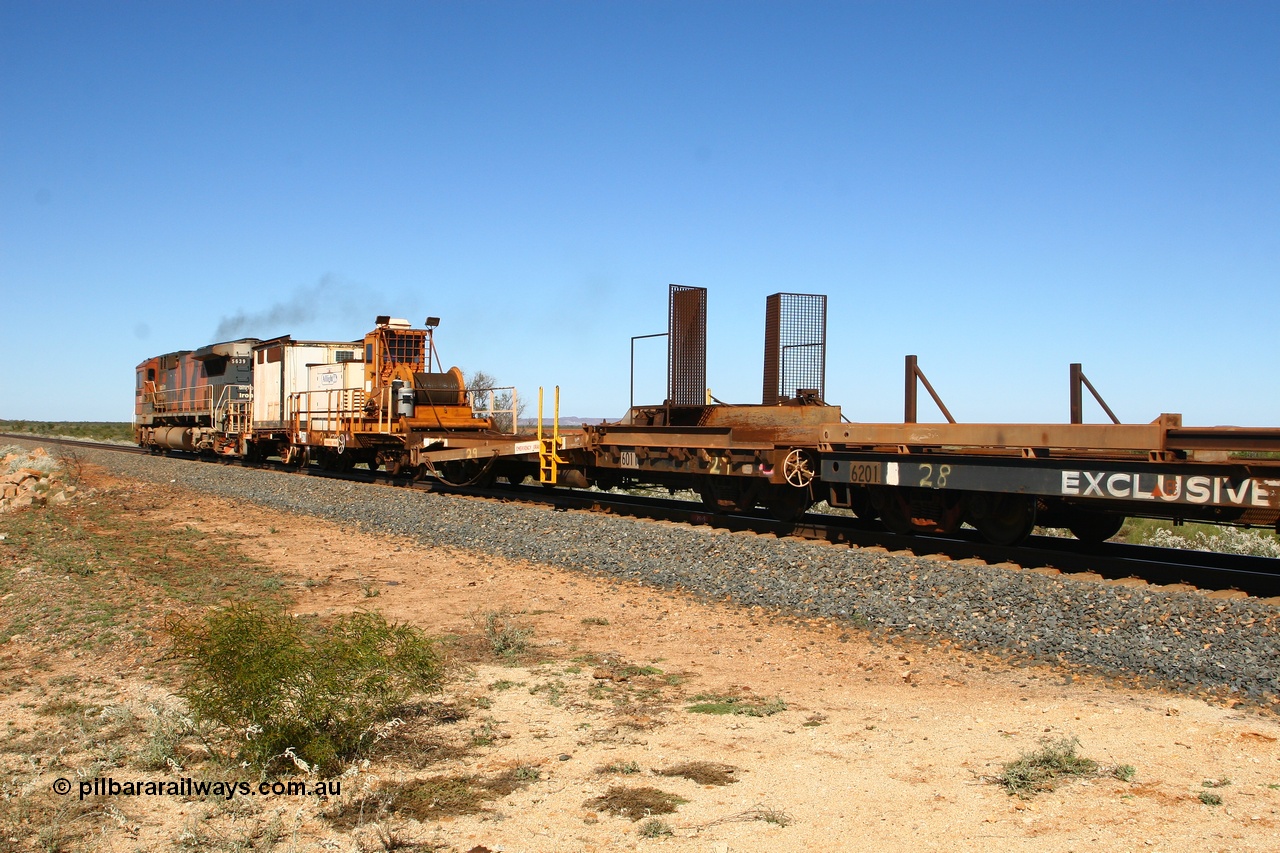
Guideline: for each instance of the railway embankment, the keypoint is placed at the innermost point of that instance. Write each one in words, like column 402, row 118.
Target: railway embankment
column 1183, row 639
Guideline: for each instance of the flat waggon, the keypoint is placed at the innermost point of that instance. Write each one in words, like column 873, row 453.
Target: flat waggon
column 386, row 402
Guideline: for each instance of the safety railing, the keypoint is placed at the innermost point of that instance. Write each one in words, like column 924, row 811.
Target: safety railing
column 500, row 405
column 233, row 413
column 192, row 400
column 337, row 411
column 346, row 410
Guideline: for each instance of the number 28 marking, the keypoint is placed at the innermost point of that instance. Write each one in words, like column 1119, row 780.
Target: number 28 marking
column 927, row 481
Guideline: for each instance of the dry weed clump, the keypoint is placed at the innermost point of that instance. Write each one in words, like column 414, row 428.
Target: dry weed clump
column 506, row 639
column 621, row 768
column 717, row 703
column 702, row 772
column 634, row 803
column 431, row 798
column 1046, row 768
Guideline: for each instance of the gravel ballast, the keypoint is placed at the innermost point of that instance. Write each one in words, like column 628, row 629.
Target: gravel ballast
column 1182, row 639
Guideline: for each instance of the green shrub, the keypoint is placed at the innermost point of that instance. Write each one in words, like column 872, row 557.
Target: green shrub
column 298, row 689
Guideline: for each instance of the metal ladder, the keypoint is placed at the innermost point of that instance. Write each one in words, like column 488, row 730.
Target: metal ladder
column 548, row 459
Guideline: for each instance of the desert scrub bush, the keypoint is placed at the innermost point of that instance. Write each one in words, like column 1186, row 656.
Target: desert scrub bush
column 1199, row 536
column 295, row 688
column 101, row 430
column 655, row 828
column 506, row 639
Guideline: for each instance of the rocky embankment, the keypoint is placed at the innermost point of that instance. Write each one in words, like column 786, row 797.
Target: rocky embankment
column 31, row 478
column 1187, row 640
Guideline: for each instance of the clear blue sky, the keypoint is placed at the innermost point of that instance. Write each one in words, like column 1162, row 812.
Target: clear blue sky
column 1000, row 188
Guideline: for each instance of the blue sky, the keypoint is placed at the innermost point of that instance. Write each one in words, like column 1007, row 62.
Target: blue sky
column 1000, row 188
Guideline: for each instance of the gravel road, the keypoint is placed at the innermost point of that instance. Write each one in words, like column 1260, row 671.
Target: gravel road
column 1181, row 639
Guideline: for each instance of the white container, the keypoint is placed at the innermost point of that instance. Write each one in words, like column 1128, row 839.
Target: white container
column 281, row 369
column 334, row 392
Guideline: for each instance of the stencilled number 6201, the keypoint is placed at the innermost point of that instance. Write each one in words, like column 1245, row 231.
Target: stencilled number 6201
column 927, row 482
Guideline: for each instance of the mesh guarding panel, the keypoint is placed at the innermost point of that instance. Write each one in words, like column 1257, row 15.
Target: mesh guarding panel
column 795, row 345
column 404, row 348
column 687, row 346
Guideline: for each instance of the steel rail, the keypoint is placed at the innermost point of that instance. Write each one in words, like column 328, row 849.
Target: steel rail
column 1206, row 570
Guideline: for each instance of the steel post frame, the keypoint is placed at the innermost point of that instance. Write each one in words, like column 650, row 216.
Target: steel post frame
column 631, row 401
column 914, row 373
column 1078, row 383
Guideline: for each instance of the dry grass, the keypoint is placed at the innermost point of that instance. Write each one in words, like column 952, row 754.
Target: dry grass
column 702, row 772
column 86, row 575
column 430, row 799
column 720, row 703
column 634, row 803
column 1046, row 768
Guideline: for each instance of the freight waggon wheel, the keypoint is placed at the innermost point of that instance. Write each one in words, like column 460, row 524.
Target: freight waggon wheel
column 787, row 503
column 1007, row 519
column 894, row 512
column 1093, row 526
column 725, row 494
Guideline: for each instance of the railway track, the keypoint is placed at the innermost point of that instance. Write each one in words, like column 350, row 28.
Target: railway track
column 1255, row 576
column 1222, row 574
